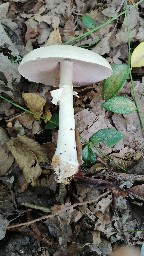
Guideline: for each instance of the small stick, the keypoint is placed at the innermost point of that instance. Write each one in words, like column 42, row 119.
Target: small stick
column 58, row 212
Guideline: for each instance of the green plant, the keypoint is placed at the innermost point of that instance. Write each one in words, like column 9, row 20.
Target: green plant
column 110, row 88
column 107, row 136
column 88, row 22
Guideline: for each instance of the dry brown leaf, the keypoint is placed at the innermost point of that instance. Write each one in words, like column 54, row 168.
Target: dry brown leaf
column 28, row 154
column 33, row 146
column 43, row 18
column 39, row 4
column 54, row 37
column 32, row 31
column 49, row 149
column 52, row 20
column 35, row 103
column 26, row 119
column 6, row 160
column 103, row 46
column 68, row 30
column 101, row 211
column 88, row 123
column 44, row 33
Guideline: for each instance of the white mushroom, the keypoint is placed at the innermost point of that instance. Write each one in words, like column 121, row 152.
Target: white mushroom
column 64, row 65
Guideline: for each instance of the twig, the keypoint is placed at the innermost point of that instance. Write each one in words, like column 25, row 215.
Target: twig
column 37, row 207
column 28, row 223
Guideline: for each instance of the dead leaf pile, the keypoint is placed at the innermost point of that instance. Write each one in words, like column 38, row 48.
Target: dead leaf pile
column 84, row 218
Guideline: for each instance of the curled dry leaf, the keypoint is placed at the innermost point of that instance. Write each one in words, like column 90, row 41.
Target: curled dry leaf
column 28, row 154
column 35, row 103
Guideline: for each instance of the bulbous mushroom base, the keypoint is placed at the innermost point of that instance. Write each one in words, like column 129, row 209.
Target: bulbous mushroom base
column 64, row 171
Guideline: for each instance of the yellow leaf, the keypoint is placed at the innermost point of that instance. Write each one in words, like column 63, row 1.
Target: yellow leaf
column 35, row 103
column 28, row 154
column 137, row 57
column 54, row 37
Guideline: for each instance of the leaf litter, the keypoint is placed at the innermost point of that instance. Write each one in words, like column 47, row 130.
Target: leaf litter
column 84, row 218
column 28, row 154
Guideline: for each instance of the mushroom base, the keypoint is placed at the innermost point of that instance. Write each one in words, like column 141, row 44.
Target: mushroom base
column 64, row 171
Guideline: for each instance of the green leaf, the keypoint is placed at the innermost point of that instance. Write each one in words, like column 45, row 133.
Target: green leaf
column 120, row 105
column 108, row 136
column 112, row 85
column 53, row 123
column 88, row 156
column 88, row 22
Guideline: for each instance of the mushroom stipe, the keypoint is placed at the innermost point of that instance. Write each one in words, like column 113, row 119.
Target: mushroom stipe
column 69, row 65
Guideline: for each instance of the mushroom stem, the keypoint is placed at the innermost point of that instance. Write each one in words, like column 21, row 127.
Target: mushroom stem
column 65, row 161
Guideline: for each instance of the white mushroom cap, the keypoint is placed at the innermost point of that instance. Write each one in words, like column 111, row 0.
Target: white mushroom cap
column 42, row 65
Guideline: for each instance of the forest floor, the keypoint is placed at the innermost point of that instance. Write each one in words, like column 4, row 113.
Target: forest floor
column 104, row 207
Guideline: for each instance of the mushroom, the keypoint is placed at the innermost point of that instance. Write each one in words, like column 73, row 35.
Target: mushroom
column 64, row 65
